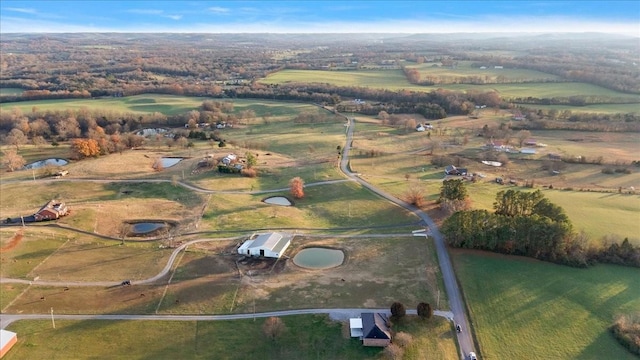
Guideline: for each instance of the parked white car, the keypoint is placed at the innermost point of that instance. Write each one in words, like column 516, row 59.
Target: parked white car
column 472, row 356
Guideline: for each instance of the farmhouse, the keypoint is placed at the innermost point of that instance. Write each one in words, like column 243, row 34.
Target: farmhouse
column 52, row 210
column 7, row 340
column 371, row 328
column 452, row 170
column 271, row 245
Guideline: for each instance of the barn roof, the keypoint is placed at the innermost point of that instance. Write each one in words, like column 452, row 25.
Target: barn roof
column 272, row 241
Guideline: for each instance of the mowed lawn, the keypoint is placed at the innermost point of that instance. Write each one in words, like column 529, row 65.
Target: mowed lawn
column 305, row 337
column 527, row 309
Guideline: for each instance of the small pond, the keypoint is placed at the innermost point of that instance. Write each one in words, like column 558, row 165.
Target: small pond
column 318, row 258
column 170, row 161
column 43, row 163
column 146, row 228
column 278, row 200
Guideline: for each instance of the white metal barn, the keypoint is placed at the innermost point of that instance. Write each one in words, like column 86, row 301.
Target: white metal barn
column 271, row 245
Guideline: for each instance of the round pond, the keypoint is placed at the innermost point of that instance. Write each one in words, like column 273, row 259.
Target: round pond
column 318, row 258
column 278, row 200
column 170, row 161
column 146, row 228
column 45, row 162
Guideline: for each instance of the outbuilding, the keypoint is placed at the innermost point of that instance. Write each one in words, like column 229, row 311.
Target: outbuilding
column 7, row 340
column 271, row 245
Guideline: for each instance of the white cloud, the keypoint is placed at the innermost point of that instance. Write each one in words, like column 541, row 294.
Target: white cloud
column 22, row 10
column 219, row 10
column 145, row 11
column 173, row 17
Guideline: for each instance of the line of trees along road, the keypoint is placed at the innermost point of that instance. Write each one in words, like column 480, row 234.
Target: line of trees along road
column 526, row 223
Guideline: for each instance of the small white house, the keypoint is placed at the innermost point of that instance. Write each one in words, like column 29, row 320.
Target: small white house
column 271, row 245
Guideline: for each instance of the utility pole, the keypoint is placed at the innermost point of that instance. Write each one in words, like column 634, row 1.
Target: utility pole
column 53, row 323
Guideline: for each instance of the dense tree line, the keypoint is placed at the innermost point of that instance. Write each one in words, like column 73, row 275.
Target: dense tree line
column 526, row 223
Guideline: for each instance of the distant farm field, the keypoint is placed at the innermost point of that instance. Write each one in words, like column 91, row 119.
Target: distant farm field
column 523, row 308
column 395, row 80
column 10, row 91
column 150, row 103
column 490, row 74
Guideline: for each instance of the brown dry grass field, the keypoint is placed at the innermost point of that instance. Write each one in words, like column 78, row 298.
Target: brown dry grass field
column 207, row 279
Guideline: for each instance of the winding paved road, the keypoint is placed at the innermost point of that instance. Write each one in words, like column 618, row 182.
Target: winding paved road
column 457, row 313
column 450, row 283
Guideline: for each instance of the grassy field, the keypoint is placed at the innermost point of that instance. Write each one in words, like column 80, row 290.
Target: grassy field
column 51, row 254
column 599, row 108
column 395, row 80
column 306, row 337
column 10, row 91
column 490, row 74
column 598, row 214
column 150, row 103
column 536, row 310
column 323, row 207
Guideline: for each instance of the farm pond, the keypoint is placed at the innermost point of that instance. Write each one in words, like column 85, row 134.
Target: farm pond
column 45, row 162
column 318, row 258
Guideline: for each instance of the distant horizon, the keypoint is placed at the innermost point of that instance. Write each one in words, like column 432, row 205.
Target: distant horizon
column 321, row 17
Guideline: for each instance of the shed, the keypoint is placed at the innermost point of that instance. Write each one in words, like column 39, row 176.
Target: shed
column 271, row 245
column 527, row 151
column 7, row 340
column 355, row 327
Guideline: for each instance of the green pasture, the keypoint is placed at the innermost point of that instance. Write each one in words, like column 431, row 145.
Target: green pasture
column 395, row 80
column 9, row 292
column 85, row 260
column 598, row 108
column 523, row 308
column 22, row 199
column 597, row 214
column 269, row 178
column 150, row 103
column 306, row 337
column 601, row 214
column 389, row 79
column 56, row 256
column 339, row 205
column 35, row 247
column 490, row 74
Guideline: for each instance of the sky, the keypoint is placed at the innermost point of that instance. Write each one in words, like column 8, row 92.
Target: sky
column 373, row 16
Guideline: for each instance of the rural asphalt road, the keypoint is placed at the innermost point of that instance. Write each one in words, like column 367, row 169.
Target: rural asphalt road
column 446, row 268
column 457, row 313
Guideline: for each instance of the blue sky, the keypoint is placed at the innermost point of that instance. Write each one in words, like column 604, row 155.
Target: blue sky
column 374, row 16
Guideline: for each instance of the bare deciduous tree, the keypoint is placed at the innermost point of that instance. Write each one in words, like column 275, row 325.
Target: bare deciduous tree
column 273, row 327
column 12, row 160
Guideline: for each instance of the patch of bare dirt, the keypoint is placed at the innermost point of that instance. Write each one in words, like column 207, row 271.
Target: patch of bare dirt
column 15, row 240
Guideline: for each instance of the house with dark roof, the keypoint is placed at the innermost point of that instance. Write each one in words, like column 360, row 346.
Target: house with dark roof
column 452, row 170
column 271, row 245
column 375, row 329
